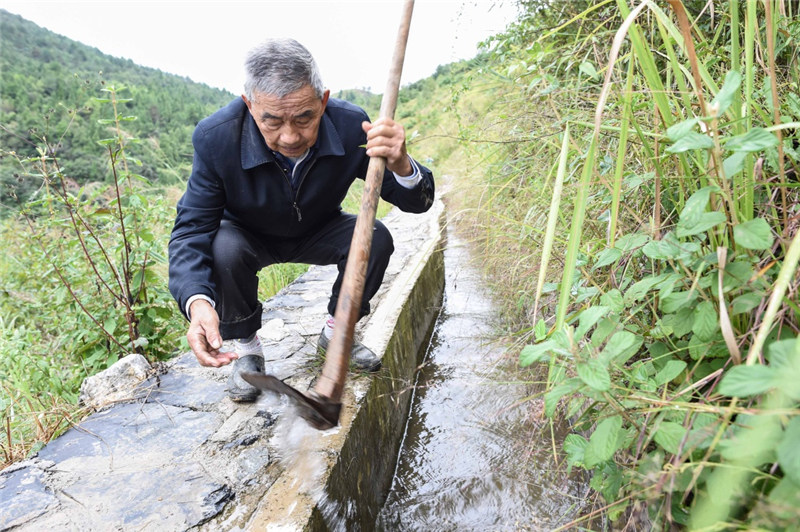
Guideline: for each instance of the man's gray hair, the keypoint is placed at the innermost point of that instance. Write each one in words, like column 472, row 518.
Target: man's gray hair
column 279, row 67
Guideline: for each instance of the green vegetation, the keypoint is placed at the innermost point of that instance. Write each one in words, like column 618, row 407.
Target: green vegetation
column 654, row 153
column 48, row 90
column 627, row 173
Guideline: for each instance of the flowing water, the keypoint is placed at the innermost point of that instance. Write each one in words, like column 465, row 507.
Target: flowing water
column 476, row 455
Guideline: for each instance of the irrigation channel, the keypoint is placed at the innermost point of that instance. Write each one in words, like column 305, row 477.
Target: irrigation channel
column 475, row 455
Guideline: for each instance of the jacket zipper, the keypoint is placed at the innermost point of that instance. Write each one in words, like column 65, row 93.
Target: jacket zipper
column 299, row 184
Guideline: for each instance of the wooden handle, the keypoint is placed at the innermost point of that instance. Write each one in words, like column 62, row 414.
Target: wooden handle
column 337, row 359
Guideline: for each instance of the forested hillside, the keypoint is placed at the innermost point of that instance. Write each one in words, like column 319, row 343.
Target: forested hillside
column 46, row 78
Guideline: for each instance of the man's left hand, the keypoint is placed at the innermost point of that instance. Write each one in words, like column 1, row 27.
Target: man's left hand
column 386, row 138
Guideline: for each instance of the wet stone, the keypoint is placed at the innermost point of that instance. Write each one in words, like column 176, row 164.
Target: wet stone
column 187, row 391
column 23, row 495
column 176, row 453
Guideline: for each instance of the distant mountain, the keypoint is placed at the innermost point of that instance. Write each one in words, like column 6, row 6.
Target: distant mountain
column 44, row 75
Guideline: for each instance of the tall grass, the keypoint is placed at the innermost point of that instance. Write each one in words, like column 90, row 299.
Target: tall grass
column 679, row 255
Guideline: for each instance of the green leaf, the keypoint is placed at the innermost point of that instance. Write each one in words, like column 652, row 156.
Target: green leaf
column 669, row 436
column 677, row 300
column 588, row 69
column 594, row 374
column 757, row 139
column 753, row 234
column 640, row 288
column 540, row 330
column 671, row 369
column 621, row 347
column 631, row 241
column 613, row 300
column 552, row 397
column 603, row 441
column 693, row 218
column 681, row 321
column 588, row 318
column 789, row 450
column 745, row 381
column 677, row 131
column 746, row 302
column 574, row 446
column 734, row 164
column 691, row 141
column 535, row 353
column 729, row 90
column 706, row 321
column 606, row 257
column 701, row 224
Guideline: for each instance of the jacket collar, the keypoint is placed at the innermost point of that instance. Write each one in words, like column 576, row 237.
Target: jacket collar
column 255, row 151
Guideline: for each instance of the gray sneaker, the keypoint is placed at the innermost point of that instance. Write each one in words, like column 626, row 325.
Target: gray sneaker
column 251, row 359
column 360, row 356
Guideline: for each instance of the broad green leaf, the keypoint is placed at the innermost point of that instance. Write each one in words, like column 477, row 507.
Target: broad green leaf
column 784, row 357
column 552, row 397
column 680, row 322
column 753, row 234
column 691, row 141
column 746, row 302
column 669, row 436
column 693, row 218
column 789, row 450
column 726, row 94
column 535, row 353
column 606, row 257
column 574, row 446
column 706, row 320
column 671, row 369
column 734, row 164
column 746, row 381
column 631, row 241
column 640, row 288
column 701, row 224
column 697, row 202
column 757, row 139
column 588, row 69
column 594, row 374
column 621, row 347
column 540, row 330
column 588, row 318
column 677, row 300
column 603, row 441
column 613, row 300
column 785, row 499
column 603, row 330
column 677, row 131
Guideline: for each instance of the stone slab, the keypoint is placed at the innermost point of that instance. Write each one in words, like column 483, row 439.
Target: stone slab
column 180, row 455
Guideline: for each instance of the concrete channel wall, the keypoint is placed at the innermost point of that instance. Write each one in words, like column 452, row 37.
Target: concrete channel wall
column 171, row 452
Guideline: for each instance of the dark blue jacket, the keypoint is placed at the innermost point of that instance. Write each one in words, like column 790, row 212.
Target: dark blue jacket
column 236, row 177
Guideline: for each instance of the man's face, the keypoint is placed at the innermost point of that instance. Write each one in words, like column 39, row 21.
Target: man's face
column 290, row 124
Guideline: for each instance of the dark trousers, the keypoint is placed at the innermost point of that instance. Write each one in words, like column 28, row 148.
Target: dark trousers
column 239, row 255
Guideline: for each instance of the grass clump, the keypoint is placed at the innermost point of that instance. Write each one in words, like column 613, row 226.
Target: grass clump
column 645, row 237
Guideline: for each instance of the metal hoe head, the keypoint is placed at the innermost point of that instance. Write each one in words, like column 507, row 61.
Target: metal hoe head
column 320, row 412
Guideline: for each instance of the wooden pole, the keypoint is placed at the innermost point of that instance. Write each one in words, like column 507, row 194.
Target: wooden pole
column 337, row 359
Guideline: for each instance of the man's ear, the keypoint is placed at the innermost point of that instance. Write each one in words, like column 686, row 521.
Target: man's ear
column 325, row 97
column 247, row 103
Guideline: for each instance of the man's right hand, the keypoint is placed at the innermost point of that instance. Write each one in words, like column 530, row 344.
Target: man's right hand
column 204, row 337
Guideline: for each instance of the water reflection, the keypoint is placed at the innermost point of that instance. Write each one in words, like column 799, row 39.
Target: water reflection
column 474, row 457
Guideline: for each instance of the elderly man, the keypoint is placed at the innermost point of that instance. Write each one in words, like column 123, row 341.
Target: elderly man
column 269, row 174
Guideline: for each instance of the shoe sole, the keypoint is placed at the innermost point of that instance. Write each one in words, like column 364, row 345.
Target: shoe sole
column 244, row 397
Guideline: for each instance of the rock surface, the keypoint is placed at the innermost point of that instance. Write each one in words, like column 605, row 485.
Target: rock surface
column 117, row 383
column 172, row 452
